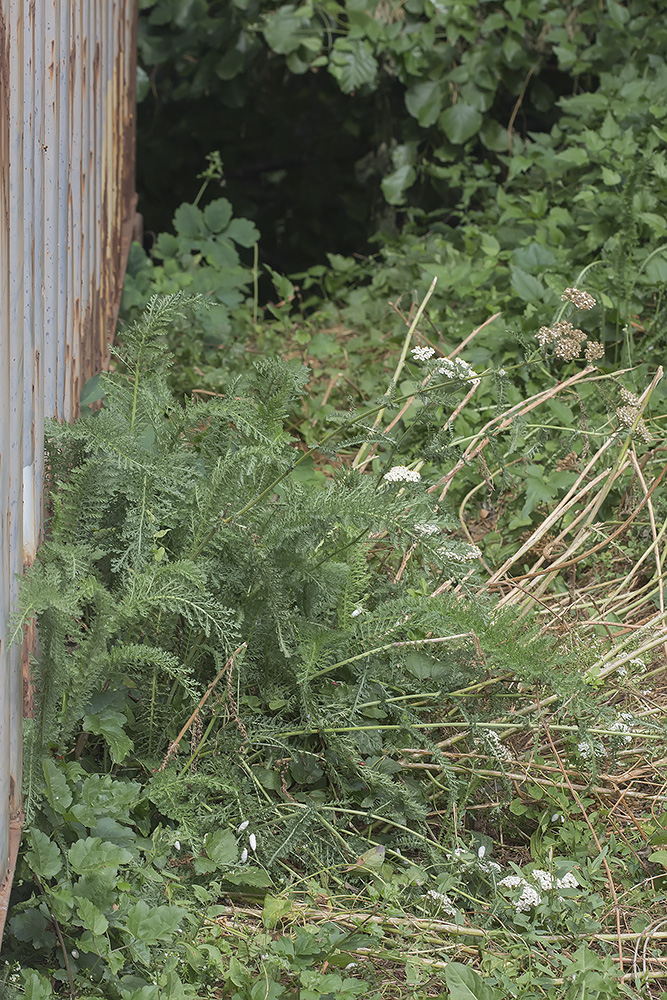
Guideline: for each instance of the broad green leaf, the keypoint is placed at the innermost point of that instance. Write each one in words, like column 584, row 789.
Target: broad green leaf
column 274, row 908
column 92, row 918
column 58, row 792
column 243, row 232
column 109, row 723
column 395, row 184
column 36, row 986
column 283, row 285
column 217, row 215
column 460, row 122
column 220, row 252
column 464, row 983
column 188, row 221
column 423, row 101
column 91, row 855
column 352, row 63
column 44, row 857
column 151, row 924
column 659, row 858
column 288, row 28
column 222, row 847
column 253, row 877
column 527, row 287
column 92, row 391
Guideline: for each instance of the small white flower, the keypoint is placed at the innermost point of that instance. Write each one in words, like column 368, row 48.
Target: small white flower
column 545, row 879
column 177, row 845
column 528, row 899
column 501, row 372
column 244, row 855
column 567, row 882
column 512, row 881
column 444, row 902
column 468, row 554
column 427, row 529
column 356, row 612
column 401, row 474
column 481, row 851
column 243, row 826
column 422, row 353
column 557, row 818
column 252, row 840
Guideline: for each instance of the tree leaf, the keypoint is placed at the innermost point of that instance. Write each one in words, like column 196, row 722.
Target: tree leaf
column 352, row 63
column 150, row 924
column 460, row 121
column 423, row 101
column 464, row 983
column 188, row 221
column 58, row 792
column 395, row 184
column 92, row 918
column 286, row 29
column 91, row 855
column 217, row 215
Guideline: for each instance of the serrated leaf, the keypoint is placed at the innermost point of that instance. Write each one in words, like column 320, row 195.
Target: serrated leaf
column 91, row 855
column 243, row 232
column 151, row 924
column 464, row 983
column 44, row 857
column 92, row 918
column 109, row 723
column 217, row 215
column 58, row 792
column 36, row 986
column 352, row 63
column 188, row 221
column 222, row 847
column 460, row 122
column 287, row 28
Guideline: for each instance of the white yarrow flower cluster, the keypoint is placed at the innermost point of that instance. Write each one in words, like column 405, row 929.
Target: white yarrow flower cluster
column 422, row 353
column 491, row 742
column 427, row 529
column 622, row 728
column 458, row 368
column 469, row 554
column 445, row 904
column 401, row 474
column 530, row 896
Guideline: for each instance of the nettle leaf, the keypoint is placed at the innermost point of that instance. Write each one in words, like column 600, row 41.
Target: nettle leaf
column 44, row 857
column 150, row 924
column 92, row 855
column 464, row 983
column 109, row 723
column 222, row 847
column 353, row 64
column 460, row 122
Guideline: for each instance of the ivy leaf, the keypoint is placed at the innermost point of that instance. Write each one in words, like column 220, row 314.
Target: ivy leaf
column 464, row 983
column 423, row 101
column 150, row 924
column 44, row 856
column 352, row 63
column 109, row 723
column 460, row 122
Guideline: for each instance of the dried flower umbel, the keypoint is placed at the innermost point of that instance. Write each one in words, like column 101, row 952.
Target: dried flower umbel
column 578, row 298
column 567, row 340
column 629, row 413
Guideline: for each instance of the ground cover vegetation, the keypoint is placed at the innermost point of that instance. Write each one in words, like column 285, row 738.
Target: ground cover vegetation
column 351, row 614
